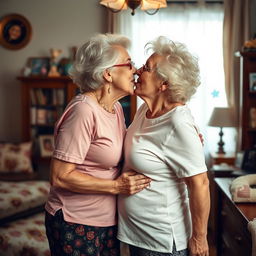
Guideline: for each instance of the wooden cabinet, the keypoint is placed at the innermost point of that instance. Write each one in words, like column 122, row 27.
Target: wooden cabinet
column 233, row 236
column 228, row 158
column 216, row 171
column 247, row 119
column 44, row 99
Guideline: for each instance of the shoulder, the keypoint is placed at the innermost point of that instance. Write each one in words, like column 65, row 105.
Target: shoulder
column 80, row 108
column 81, row 104
column 181, row 115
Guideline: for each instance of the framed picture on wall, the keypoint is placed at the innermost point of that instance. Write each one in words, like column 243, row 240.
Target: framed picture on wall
column 15, row 31
column 252, row 79
column 46, row 144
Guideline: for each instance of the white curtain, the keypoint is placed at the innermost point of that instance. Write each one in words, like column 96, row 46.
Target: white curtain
column 200, row 27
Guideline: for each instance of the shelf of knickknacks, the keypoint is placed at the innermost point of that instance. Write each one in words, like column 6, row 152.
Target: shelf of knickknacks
column 51, row 66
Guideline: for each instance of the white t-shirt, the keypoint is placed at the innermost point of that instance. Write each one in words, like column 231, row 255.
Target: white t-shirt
column 165, row 149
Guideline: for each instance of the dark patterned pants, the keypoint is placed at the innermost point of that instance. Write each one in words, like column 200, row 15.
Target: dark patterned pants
column 136, row 251
column 73, row 239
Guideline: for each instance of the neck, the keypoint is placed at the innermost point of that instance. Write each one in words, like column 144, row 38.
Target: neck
column 160, row 106
column 106, row 98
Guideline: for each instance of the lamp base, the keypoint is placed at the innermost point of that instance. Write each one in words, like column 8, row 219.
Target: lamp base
column 221, row 143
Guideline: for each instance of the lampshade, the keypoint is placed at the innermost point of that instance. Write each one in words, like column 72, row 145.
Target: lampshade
column 115, row 4
column 222, row 117
column 153, row 4
column 118, row 5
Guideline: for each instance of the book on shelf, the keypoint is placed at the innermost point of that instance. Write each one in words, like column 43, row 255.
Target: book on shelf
column 252, row 118
column 60, row 97
column 41, row 98
column 33, row 111
column 54, row 97
column 41, row 116
column 32, row 97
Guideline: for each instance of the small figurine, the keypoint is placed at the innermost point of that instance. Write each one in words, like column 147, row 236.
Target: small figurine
column 26, row 71
column 54, row 65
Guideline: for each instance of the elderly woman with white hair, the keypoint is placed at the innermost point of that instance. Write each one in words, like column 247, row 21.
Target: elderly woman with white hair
column 170, row 216
column 81, row 208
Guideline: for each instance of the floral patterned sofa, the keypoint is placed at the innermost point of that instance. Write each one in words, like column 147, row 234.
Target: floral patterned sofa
column 25, row 237
column 22, row 200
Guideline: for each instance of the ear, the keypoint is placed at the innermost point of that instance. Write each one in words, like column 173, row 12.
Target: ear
column 163, row 87
column 107, row 76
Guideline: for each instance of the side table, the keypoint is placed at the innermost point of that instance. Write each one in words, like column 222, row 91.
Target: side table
column 228, row 158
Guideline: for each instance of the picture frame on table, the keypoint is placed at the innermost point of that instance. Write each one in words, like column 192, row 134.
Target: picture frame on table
column 249, row 161
column 39, row 66
column 15, row 31
column 46, row 145
column 252, row 79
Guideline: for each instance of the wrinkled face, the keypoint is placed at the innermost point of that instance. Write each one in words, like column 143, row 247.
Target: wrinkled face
column 148, row 82
column 123, row 73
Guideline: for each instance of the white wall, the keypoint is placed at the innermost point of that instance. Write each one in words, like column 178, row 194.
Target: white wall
column 56, row 23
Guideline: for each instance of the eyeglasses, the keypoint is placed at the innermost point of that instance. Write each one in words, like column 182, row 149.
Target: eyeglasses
column 130, row 65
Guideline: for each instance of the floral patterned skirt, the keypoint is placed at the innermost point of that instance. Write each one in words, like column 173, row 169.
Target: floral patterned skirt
column 66, row 238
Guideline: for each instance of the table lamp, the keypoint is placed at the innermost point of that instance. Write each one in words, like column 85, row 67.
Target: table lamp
column 221, row 117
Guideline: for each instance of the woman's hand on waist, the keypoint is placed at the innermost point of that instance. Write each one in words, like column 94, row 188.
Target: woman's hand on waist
column 131, row 182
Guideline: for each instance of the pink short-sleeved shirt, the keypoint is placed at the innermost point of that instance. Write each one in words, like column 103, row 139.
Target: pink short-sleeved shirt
column 92, row 138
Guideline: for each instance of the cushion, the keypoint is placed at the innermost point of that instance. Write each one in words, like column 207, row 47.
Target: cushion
column 242, row 188
column 15, row 157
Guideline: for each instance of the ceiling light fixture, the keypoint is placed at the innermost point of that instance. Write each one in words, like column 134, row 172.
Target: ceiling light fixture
column 118, row 5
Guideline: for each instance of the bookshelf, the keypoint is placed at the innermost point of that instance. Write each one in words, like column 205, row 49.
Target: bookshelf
column 43, row 101
column 247, row 122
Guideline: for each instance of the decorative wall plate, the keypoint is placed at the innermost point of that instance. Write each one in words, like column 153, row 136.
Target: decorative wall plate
column 15, row 31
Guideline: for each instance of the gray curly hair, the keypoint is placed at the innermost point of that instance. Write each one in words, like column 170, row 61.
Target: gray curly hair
column 180, row 68
column 93, row 57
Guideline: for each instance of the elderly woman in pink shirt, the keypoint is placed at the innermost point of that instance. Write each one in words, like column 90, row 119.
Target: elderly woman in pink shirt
column 81, row 208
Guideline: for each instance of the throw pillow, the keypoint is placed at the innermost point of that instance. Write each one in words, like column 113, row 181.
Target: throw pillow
column 15, row 157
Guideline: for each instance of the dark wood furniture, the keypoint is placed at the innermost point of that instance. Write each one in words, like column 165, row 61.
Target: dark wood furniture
column 233, row 236
column 43, row 101
column 214, row 172
column 228, row 158
column 38, row 99
column 247, row 131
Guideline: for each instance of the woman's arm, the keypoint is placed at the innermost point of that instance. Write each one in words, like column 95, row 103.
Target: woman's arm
column 199, row 200
column 65, row 175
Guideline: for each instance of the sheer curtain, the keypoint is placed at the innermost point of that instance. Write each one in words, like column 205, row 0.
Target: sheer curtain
column 200, row 28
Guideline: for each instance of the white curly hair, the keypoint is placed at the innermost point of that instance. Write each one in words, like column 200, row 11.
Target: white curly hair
column 180, row 68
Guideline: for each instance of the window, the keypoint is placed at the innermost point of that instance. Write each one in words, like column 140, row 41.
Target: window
column 200, row 28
